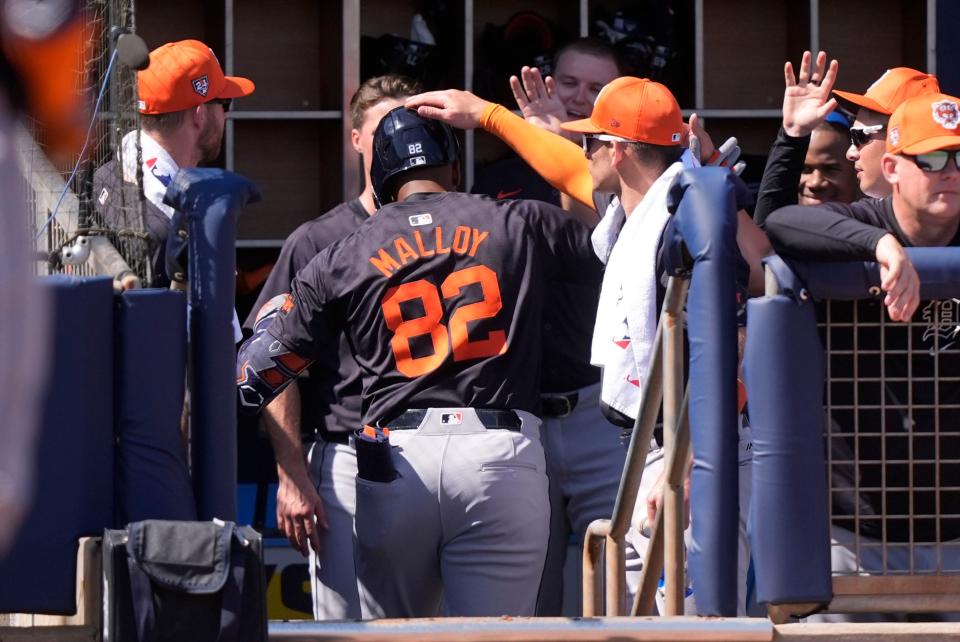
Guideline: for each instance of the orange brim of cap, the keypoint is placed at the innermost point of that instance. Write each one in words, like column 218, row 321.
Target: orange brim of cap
column 583, row 126
column 236, row 87
column 848, row 98
column 931, row 145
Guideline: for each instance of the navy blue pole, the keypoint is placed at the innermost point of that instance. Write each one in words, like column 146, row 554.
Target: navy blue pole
column 211, row 200
column 706, row 219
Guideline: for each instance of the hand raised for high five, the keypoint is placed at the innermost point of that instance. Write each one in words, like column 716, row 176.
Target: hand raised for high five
column 538, row 102
column 806, row 99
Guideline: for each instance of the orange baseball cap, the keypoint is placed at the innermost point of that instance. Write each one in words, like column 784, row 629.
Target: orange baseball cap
column 924, row 124
column 185, row 74
column 636, row 109
column 892, row 88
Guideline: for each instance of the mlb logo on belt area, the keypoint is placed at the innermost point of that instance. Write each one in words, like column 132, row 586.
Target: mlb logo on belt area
column 451, row 418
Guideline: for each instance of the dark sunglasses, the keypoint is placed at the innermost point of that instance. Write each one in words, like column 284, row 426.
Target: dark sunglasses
column 860, row 136
column 223, row 102
column 936, row 161
column 588, row 142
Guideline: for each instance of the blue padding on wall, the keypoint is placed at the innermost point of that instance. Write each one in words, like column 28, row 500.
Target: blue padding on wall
column 938, row 268
column 74, row 475
column 153, row 481
column 211, row 200
column 789, row 515
column 706, row 219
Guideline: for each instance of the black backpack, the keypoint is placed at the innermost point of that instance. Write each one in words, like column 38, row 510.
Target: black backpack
column 199, row 581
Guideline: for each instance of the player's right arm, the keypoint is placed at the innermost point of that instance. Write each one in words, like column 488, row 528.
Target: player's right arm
column 560, row 162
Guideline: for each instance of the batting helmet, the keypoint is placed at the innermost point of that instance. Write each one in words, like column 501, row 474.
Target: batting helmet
column 404, row 141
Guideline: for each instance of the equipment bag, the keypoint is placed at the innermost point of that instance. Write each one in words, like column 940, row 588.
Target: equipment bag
column 169, row 580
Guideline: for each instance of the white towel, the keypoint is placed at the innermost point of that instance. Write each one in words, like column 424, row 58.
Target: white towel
column 626, row 323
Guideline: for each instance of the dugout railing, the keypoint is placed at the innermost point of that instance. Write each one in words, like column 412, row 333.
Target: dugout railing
column 888, row 437
column 844, row 405
column 700, row 246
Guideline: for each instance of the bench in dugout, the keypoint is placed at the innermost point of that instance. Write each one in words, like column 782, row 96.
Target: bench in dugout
column 889, row 432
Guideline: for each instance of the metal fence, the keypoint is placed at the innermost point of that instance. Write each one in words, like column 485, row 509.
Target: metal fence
column 893, row 400
column 61, row 198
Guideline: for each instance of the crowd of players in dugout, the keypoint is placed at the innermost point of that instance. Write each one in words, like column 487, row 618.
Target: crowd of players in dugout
column 470, row 350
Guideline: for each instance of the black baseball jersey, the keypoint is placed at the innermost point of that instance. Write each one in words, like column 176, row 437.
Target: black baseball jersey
column 331, row 392
column 440, row 297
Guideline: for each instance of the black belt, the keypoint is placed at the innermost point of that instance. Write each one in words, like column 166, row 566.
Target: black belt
column 554, row 406
column 411, row 419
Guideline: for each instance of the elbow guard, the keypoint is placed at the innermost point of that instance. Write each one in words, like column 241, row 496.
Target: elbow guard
column 264, row 365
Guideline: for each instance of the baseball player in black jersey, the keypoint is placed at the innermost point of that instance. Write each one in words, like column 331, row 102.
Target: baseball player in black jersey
column 328, row 400
column 440, row 297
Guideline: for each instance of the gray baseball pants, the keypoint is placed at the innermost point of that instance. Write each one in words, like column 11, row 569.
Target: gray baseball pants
column 464, row 526
column 585, row 457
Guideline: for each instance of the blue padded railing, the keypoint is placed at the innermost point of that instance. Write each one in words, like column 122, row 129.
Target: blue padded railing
column 785, row 375
column 705, row 218
column 211, row 199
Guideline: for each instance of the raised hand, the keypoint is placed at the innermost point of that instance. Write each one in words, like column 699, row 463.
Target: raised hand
column 806, row 99
column 538, row 101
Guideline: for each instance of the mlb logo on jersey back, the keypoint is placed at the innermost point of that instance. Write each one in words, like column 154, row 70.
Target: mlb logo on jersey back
column 418, row 220
column 451, row 418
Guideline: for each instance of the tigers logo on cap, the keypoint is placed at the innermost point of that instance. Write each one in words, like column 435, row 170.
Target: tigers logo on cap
column 925, row 123
column 946, row 113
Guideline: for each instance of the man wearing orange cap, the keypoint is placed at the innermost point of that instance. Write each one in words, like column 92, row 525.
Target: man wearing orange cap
column 921, row 165
column 183, row 100
column 872, row 110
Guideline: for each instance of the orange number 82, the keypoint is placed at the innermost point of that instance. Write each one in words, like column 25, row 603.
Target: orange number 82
column 455, row 334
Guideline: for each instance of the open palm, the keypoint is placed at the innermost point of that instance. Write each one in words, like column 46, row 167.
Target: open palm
column 806, row 99
column 537, row 100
